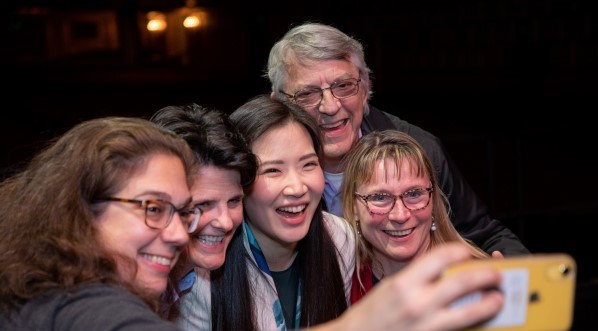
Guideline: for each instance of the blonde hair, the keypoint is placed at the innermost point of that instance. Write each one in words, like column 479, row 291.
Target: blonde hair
column 398, row 147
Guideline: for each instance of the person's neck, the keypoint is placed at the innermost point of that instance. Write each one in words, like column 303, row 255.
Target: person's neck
column 334, row 165
column 389, row 266
column 279, row 259
column 279, row 255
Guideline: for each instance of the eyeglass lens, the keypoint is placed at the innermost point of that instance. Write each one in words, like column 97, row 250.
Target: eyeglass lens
column 159, row 214
column 382, row 203
column 340, row 90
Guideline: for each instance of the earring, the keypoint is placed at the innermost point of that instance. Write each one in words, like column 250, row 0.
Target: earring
column 358, row 228
column 433, row 228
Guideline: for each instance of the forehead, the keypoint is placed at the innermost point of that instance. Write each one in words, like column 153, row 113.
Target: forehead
column 388, row 169
column 162, row 174
column 211, row 178
column 290, row 137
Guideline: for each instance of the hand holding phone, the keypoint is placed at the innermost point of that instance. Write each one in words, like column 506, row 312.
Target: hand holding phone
column 538, row 292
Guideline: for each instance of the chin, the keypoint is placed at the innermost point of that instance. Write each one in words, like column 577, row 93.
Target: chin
column 155, row 288
column 211, row 264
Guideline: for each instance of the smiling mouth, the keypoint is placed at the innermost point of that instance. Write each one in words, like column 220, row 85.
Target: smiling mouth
column 399, row 234
column 333, row 126
column 210, row 240
column 158, row 259
column 291, row 211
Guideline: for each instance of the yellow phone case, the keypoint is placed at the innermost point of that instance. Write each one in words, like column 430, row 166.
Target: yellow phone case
column 539, row 292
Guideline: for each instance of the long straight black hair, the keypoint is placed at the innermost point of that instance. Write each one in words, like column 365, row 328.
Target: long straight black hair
column 322, row 295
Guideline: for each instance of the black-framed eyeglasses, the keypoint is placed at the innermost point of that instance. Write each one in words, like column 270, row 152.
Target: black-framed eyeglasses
column 383, row 203
column 159, row 213
column 312, row 96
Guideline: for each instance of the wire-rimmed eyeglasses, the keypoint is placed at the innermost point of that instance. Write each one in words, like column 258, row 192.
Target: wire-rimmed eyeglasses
column 383, row 203
column 159, row 213
column 312, row 96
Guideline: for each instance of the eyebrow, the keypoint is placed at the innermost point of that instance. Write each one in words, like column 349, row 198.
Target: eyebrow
column 215, row 200
column 159, row 195
column 304, row 157
column 336, row 80
column 308, row 156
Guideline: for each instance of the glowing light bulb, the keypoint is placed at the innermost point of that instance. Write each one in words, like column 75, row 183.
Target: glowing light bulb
column 191, row 21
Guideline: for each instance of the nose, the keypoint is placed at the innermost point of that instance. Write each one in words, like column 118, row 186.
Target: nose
column 176, row 231
column 329, row 104
column 220, row 218
column 294, row 185
column 399, row 212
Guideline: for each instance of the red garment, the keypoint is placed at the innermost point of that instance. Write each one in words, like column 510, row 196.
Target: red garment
column 367, row 278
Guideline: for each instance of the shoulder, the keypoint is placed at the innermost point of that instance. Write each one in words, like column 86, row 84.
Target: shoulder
column 344, row 241
column 335, row 222
column 378, row 120
column 91, row 307
column 339, row 229
column 382, row 120
column 196, row 305
column 200, row 288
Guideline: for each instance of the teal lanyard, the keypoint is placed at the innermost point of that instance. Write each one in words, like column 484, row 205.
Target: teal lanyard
column 260, row 259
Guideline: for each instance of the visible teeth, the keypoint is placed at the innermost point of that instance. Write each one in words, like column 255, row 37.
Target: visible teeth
column 296, row 209
column 210, row 240
column 158, row 259
column 333, row 125
column 328, row 126
column 399, row 233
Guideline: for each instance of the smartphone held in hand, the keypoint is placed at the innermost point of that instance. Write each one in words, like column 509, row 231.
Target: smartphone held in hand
column 538, row 292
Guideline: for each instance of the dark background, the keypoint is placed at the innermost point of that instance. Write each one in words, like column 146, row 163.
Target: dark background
column 508, row 85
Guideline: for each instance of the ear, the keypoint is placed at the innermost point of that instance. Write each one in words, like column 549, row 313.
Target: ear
column 366, row 81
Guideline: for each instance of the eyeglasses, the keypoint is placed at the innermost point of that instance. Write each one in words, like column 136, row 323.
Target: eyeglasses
column 383, row 203
column 159, row 213
column 312, row 96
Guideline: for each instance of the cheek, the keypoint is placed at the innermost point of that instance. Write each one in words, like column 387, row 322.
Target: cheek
column 369, row 228
column 262, row 191
column 373, row 222
column 130, row 242
column 119, row 233
column 312, row 111
column 252, row 204
column 366, row 219
column 264, row 185
column 196, row 257
column 236, row 215
column 424, row 216
column 316, row 183
column 130, row 238
column 355, row 105
column 361, row 212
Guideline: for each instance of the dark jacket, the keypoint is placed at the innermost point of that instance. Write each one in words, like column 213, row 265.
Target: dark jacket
column 469, row 213
column 91, row 307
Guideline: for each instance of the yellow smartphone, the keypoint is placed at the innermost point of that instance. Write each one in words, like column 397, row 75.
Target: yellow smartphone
column 538, row 289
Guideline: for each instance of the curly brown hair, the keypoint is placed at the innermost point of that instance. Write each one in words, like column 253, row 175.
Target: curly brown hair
column 47, row 237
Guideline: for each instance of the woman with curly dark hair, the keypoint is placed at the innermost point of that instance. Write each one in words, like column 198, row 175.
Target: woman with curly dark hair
column 91, row 228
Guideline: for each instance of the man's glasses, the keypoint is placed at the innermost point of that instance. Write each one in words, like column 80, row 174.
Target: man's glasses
column 312, row 96
column 383, row 203
column 159, row 213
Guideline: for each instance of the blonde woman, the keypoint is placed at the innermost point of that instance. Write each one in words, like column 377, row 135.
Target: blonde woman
column 392, row 199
